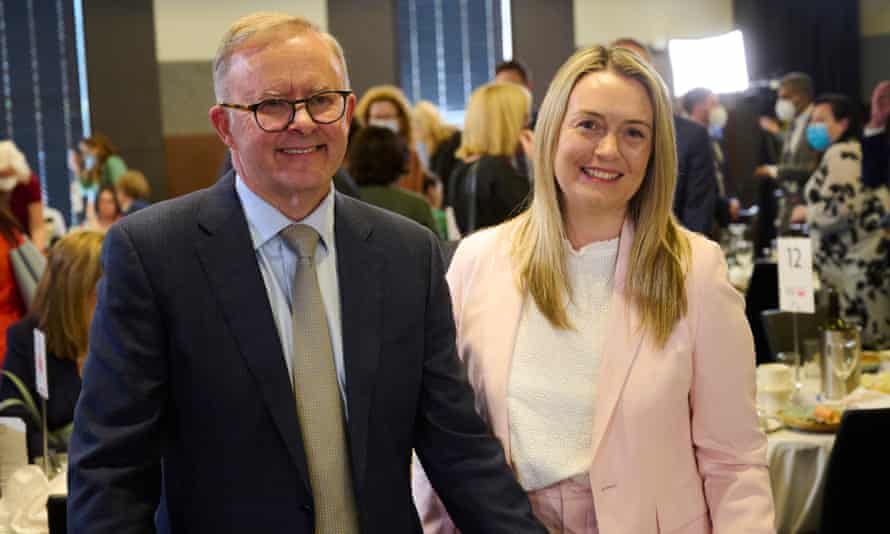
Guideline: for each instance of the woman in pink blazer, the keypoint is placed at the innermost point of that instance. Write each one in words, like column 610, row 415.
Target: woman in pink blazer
column 607, row 349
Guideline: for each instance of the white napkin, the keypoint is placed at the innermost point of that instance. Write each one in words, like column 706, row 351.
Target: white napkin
column 13, row 449
column 866, row 399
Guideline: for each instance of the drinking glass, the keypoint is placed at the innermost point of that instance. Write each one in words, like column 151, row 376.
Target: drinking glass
column 844, row 354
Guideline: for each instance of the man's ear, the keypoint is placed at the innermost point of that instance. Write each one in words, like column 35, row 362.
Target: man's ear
column 220, row 118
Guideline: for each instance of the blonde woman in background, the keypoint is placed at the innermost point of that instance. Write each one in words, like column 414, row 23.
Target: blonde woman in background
column 615, row 365
column 486, row 178
column 132, row 192
column 387, row 107
column 440, row 139
column 63, row 309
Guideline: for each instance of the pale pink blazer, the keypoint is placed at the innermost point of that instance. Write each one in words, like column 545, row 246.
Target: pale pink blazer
column 676, row 445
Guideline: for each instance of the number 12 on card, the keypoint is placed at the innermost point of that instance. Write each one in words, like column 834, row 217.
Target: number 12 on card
column 796, row 275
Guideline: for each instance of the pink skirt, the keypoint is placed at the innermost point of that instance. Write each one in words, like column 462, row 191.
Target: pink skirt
column 565, row 507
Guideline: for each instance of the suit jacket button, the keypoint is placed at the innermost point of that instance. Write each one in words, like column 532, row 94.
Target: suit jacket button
column 307, row 508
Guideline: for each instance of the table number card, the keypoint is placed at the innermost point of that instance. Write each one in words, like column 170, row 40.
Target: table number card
column 796, row 292
column 40, row 363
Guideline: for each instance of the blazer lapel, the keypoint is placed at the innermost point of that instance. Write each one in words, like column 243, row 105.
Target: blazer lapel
column 228, row 258
column 621, row 345
column 359, row 274
column 499, row 340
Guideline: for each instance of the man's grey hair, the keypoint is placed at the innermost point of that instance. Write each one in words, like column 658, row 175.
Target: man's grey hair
column 798, row 82
column 250, row 29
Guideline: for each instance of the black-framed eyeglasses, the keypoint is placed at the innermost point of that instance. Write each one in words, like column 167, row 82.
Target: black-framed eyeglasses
column 276, row 114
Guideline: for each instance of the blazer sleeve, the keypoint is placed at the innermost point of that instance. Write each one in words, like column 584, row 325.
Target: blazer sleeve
column 114, row 475
column 433, row 515
column 729, row 445
column 464, row 470
column 19, row 360
column 876, row 159
column 832, row 190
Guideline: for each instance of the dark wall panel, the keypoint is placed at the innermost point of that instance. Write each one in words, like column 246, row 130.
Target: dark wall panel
column 366, row 30
column 543, row 38
column 123, row 84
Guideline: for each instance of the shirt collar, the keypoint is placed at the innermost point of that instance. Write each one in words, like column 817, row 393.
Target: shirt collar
column 266, row 222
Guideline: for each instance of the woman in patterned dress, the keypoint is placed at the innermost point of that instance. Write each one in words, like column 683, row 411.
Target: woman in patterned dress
column 843, row 214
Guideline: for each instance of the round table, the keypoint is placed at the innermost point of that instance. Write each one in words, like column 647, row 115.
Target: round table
column 797, row 464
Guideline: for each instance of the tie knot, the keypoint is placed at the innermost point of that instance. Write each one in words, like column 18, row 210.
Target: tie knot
column 302, row 239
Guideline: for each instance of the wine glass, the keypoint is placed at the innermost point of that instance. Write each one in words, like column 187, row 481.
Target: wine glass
column 844, row 355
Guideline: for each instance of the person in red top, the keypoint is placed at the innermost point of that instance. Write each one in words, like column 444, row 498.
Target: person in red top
column 13, row 170
column 26, row 204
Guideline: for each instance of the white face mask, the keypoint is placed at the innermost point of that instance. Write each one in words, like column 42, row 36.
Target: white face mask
column 785, row 109
column 717, row 117
column 392, row 124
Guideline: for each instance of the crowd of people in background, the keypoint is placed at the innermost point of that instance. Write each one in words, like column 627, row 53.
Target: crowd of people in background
column 594, row 209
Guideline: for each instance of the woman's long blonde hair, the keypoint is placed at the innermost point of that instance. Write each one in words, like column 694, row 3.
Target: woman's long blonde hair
column 429, row 126
column 660, row 252
column 63, row 303
column 496, row 114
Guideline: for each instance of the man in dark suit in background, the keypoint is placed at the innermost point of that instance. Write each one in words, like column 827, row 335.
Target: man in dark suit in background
column 241, row 378
column 696, row 192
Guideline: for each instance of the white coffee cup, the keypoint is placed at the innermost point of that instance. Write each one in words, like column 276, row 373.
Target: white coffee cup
column 773, row 400
column 773, row 376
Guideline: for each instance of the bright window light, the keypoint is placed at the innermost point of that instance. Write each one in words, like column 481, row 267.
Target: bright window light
column 715, row 63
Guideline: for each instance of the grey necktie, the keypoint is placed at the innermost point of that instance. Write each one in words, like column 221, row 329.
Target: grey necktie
column 317, row 393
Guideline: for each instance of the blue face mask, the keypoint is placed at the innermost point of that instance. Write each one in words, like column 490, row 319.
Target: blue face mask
column 817, row 136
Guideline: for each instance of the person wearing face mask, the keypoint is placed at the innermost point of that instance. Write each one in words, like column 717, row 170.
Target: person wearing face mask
column 844, row 218
column 797, row 159
column 702, row 107
column 386, row 106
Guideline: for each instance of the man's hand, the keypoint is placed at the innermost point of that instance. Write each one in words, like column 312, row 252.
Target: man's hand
column 880, row 105
column 770, row 124
column 765, row 171
column 799, row 214
column 734, row 208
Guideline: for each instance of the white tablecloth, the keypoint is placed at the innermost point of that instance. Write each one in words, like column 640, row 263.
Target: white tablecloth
column 797, row 465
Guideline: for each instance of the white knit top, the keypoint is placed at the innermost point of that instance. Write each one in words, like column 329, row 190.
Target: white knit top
column 553, row 376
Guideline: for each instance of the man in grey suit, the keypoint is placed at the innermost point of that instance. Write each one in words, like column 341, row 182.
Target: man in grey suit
column 266, row 353
column 797, row 161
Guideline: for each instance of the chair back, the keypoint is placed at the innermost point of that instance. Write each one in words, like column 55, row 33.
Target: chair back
column 778, row 326
column 854, row 495
column 57, row 514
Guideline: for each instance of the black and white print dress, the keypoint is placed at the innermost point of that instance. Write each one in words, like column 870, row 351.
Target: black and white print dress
column 849, row 247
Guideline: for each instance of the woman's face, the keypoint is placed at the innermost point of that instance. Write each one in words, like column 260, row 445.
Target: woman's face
column 604, row 144
column 822, row 114
column 385, row 114
column 105, row 206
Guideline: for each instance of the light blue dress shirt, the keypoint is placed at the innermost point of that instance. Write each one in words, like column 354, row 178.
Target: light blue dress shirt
column 278, row 265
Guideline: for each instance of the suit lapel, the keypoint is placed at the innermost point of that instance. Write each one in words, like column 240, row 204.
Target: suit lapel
column 235, row 278
column 621, row 345
column 359, row 274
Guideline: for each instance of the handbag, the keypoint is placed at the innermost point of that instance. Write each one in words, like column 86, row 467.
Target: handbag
column 28, row 265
